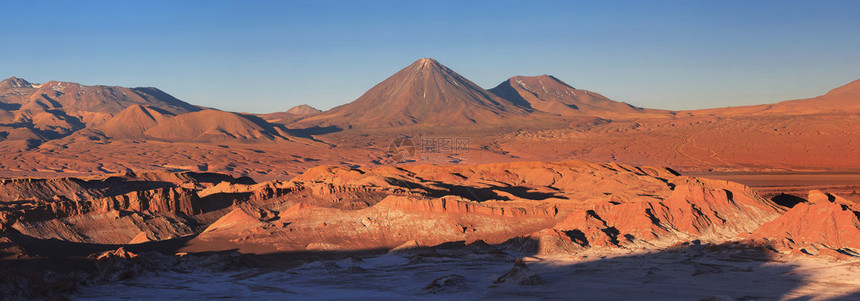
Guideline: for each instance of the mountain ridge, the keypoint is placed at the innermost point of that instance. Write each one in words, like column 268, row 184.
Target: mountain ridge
column 425, row 92
column 72, row 97
column 549, row 94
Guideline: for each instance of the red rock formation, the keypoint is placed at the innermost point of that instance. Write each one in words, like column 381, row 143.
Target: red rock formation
column 113, row 209
column 826, row 224
column 566, row 207
column 572, row 205
column 173, row 200
column 586, row 229
column 706, row 210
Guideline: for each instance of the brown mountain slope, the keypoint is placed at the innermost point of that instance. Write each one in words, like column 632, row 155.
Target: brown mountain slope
column 57, row 109
column 424, row 93
column 47, row 122
column 823, row 224
column 844, row 99
column 303, row 110
column 132, row 122
column 549, row 94
column 289, row 116
column 89, row 209
column 14, row 82
column 841, row 100
column 213, row 126
column 73, row 97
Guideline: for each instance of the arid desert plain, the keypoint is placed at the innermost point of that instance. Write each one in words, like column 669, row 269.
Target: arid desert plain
column 427, row 186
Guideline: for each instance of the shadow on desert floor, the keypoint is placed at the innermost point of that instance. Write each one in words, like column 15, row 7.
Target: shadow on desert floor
column 473, row 271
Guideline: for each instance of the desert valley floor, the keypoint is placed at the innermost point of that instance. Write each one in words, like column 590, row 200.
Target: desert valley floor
column 426, row 187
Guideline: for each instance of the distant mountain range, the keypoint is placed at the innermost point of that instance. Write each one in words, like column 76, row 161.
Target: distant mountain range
column 18, row 94
column 425, row 94
column 38, row 113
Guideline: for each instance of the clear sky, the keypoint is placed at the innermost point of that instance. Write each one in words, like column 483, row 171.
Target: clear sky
column 267, row 56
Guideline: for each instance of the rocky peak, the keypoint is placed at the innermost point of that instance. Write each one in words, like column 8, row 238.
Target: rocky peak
column 14, row 82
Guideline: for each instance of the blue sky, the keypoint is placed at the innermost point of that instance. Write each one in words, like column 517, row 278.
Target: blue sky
column 267, row 56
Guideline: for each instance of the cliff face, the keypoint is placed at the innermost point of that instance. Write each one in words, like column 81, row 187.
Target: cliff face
column 154, row 201
column 568, row 205
column 696, row 209
column 824, row 224
column 112, row 209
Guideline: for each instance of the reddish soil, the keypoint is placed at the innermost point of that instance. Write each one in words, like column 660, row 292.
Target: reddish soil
column 424, row 160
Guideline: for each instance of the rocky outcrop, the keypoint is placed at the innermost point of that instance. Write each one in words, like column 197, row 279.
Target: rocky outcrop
column 520, row 274
column 153, row 201
column 116, row 209
column 96, row 187
column 45, row 189
column 160, row 200
column 825, row 224
column 460, row 206
column 696, row 209
column 566, row 206
column 117, row 264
